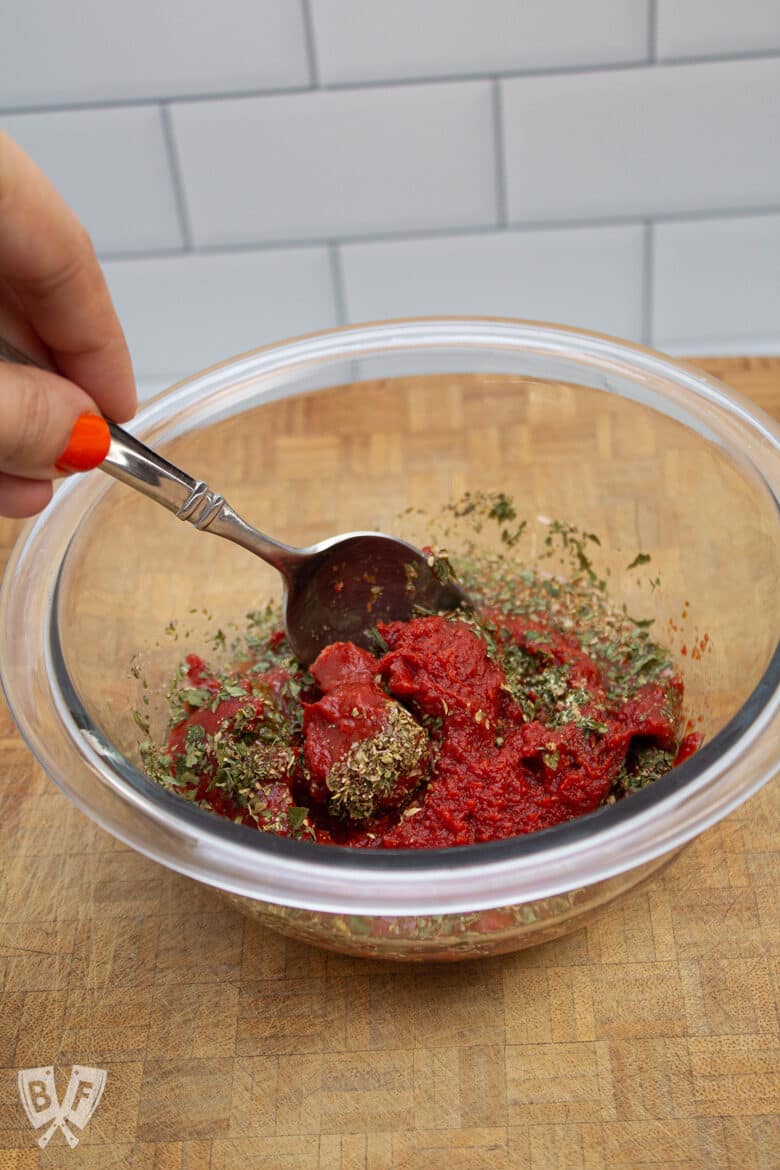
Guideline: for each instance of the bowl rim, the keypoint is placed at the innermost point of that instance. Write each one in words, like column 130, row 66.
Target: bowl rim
column 462, row 879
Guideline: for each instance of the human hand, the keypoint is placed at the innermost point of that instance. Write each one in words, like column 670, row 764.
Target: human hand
column 54, row 306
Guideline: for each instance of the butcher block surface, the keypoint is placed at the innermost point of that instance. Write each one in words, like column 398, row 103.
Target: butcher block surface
column 646, row 1039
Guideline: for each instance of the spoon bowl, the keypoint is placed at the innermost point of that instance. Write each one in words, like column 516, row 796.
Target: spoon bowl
column 343, row 587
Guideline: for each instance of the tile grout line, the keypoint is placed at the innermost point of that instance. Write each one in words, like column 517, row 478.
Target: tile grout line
column 311, row 43
column 383, row 83
column 337, row 281
column 499, row 146
column 652, row 32
column 452, row 232
column 177, row 178
column 648, row 281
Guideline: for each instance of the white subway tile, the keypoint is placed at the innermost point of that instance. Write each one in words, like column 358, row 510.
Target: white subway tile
column 97, row 50
column 370, row 40
column 697, row 28
column 111, row 167
column 665, row 139
column 717, row 284
column 316, row 165
column 590, row 277
column 183, row 313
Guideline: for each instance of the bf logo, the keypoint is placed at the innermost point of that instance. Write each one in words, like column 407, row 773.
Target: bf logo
column 39, row 1097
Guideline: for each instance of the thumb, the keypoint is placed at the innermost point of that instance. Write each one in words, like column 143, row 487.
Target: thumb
column 47, row 425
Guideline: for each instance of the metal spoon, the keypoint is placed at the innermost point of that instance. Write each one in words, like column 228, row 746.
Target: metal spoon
column 334, row 591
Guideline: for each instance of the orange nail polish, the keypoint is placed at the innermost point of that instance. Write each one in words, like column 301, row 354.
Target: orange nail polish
column 87, row 446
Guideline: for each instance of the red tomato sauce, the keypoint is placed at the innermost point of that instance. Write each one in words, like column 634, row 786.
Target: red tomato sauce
column 453, row 731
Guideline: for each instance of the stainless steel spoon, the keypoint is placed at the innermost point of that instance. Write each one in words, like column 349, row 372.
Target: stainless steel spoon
column 334, row 591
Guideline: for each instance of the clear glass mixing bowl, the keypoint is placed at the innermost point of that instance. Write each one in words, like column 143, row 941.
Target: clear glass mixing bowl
column 344, row 430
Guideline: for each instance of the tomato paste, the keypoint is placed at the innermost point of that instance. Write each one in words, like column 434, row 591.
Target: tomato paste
column 542, row 704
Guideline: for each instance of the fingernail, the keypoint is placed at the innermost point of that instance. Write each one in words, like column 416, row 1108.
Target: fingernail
column 87, row 446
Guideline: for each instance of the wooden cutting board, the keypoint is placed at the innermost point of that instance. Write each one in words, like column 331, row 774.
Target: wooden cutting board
column 648, row 1039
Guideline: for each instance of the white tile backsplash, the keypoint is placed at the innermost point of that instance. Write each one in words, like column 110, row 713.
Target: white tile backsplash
column 697, row 28
column 224, row 146
column 370, row 40
column 183, row 313
column 111, row 167
column 311, row 166
column 591, row 277
column 717, row 283
column 110, row 50
column 663, row 139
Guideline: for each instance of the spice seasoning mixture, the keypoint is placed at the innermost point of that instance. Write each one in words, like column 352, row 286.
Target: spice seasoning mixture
column 540, row 705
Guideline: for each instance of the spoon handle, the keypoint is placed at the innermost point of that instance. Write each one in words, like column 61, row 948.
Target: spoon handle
column 133, row 463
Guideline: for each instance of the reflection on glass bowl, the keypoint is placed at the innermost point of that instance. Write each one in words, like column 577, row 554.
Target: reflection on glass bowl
column 345, row 430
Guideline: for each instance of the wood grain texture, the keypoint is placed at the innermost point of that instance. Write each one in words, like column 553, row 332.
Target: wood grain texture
column 648, row 1038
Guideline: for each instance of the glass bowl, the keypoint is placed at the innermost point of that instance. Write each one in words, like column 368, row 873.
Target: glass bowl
column 345, row 430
